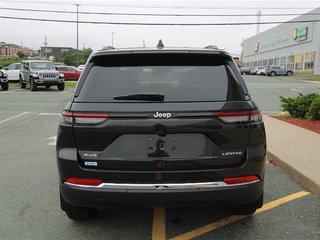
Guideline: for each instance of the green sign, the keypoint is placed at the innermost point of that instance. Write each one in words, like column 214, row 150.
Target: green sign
column 300, row 34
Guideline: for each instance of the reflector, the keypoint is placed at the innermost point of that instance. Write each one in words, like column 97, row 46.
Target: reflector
column 84, row 181
column 243, row 179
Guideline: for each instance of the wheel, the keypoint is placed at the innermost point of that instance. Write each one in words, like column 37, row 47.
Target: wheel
column 22, row 84
column 243, row 73
column 272, row 74
column 33, row 85
column 5, row 86
column 289, row 73
column 247, row 209
column 60, row 86
column 77, row 213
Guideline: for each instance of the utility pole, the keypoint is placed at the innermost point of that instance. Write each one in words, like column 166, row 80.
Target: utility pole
column 77, row 34
column 258, row 21
column 45, row 43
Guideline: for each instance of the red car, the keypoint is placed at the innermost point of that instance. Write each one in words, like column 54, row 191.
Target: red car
column 70, row 73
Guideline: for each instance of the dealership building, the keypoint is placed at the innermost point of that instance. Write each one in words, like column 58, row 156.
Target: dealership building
column 293, row 45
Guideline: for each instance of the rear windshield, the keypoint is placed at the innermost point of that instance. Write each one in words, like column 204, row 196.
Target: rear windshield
column 178, row 78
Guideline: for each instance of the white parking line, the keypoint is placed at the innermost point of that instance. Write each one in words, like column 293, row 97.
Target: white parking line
column 297, row 90
column 49, row 114
column 53, row 140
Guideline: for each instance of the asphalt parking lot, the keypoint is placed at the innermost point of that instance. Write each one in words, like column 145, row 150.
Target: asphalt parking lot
column 29, row 199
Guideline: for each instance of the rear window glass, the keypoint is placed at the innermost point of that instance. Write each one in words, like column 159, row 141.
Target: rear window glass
column 179, row 80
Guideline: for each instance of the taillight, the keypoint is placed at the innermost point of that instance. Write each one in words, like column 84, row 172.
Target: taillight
column 84, row 118
column 234, row 117
column 243, row 179
column 84, row 181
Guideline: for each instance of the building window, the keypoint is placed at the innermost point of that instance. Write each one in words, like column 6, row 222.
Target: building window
column 290, row 62
column 276, row 61
column 283, row 61
column 265, row 62
column 260, row 63
column 309, row 61
column 298, row 59
column 270, row 62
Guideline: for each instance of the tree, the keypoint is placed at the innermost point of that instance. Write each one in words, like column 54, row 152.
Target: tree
column 20, row 54
column 70, row 58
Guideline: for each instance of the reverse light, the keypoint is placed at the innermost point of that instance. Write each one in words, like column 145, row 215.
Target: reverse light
column 84, row 181
column 84, row 118
column 234, row 117
column 243, row 179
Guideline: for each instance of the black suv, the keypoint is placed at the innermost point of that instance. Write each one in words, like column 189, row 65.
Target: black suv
column 160, row 126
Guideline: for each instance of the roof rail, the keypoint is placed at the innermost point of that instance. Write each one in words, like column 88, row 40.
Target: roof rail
column 212, row 47
column 108, row 48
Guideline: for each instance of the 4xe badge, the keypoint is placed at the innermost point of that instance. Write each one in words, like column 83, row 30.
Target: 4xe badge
column 162, row 115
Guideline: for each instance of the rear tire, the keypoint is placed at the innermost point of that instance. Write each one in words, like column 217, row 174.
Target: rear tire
column 289, row 73
column 77, row 213
column 60, row 86
column 22, row 84
column 272, row 74
column 5, row 86
column 247, row 209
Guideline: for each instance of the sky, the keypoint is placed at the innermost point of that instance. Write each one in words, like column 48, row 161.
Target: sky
column 61, row 34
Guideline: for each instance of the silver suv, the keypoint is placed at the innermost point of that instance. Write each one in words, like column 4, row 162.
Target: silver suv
column 278, row 70
column 40, row 73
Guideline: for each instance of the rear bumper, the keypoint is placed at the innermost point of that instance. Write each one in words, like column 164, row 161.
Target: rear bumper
column 104, row 197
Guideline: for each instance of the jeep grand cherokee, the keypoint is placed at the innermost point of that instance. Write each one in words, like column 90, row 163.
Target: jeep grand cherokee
column 160, row 126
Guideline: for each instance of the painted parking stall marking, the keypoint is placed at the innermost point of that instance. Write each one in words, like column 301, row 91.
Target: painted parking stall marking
column 14, row 117
column 159, row 231
column 52, row 140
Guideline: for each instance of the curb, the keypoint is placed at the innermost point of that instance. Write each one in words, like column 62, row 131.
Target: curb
column 294, row 173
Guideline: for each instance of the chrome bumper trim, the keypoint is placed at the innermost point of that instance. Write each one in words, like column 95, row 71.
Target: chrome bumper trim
column 162, row 186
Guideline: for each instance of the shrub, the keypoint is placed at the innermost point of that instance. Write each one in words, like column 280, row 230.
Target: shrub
column 299, row 106
column 314, row 110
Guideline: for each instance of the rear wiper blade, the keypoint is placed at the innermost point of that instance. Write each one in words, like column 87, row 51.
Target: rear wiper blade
column 141, row 96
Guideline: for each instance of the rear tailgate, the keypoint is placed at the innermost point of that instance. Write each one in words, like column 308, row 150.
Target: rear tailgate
column 188, row 140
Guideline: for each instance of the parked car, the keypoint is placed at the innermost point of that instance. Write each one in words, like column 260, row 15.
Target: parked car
column 253, row 70
column 4, row 80
column 160, row 126
column 278, row 70
column 261, row 71
column 13, row 71
column 70, row 72
column 245, row 70
column 40, row 73
column 81, row 67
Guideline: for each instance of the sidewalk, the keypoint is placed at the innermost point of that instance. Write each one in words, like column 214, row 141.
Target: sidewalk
column 295, row 150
